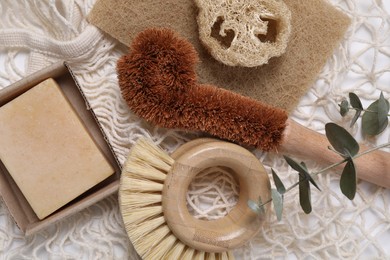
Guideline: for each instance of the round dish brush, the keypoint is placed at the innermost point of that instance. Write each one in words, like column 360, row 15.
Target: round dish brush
column 152, row 199
column 158, row 81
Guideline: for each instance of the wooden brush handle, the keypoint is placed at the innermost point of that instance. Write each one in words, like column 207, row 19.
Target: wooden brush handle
column 303, row 143
column 241, row 224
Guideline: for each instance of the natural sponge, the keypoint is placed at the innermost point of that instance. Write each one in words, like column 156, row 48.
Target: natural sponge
column 244, row 33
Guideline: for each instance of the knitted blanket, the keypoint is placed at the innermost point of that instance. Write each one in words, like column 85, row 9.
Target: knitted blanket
column 34, row 34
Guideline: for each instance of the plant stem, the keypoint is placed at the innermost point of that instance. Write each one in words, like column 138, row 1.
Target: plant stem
column 332, row 166
column 353, row 157
column 365, row 110
column 264, row 203
column 292, row 186
column 287, row 190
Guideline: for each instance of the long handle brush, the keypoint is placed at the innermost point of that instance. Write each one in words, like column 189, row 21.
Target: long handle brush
column 152, row 199
column 158, row 80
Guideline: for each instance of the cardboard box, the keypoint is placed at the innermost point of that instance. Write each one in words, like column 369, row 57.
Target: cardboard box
column 13, row 198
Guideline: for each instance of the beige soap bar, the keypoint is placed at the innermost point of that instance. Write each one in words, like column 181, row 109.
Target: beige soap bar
column 47, row 149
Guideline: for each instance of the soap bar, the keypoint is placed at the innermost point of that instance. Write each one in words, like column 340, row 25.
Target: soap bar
column 47, row 149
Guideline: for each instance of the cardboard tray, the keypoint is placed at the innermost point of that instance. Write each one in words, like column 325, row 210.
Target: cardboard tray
column 16, row 203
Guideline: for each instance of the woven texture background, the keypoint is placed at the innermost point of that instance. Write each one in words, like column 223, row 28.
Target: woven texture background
column 37, row 33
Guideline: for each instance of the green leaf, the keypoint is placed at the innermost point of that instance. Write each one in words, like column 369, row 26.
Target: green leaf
column 342, row 141
column 355, row 117
column 374, row 120
column 308, row 176
column 277, row 200
column 383, row 110
column 344, row 107
column 304, row 194
column 304, row 166
column 302, row 169
column 383, row 106
column 295, row 165
column 255, row 207
column 355, row 101
column 357, row 104
column 348, row 180
column 278, row 183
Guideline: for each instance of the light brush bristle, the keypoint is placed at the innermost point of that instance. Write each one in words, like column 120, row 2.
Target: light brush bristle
column 211, row 256
column 228, row 256
column 199, row 255
column 162, row 248
column 138, row 231
column 151, row 154
column 150, row 241
column 176, row 252
column 138, row 200
column 138, row 185
column 188, row 253
column 134, row 216
column 140, row 169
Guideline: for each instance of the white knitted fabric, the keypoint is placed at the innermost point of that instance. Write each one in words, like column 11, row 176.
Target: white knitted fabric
column 35, row 33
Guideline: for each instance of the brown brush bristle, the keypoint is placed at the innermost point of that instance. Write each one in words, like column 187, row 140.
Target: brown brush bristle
column 158, row 81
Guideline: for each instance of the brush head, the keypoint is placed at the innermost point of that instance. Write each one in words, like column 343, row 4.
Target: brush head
column 153, row 207
column 158, row 81
column 158, row 70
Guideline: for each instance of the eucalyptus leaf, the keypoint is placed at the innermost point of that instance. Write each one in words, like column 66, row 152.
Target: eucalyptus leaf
column 304, row 194
column 355, row 117
column 278, row 183
column 357, row 104
column 348, row 180
column 309, row 176
column 342, row 141
column 344, row 107
column 355, row 101
column 383, row 110
column 254, row 207
column 374, row 120
column 302, row 169
column 299, row 167
column 304, row 166
column 277, row 200
column 311, row 180
column 383, row 106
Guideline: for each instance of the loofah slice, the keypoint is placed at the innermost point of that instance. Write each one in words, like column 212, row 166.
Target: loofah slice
column 244, row 33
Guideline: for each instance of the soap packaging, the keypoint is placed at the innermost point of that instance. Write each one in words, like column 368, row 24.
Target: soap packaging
column 35, row 162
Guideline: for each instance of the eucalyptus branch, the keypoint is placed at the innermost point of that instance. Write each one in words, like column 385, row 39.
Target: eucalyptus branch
column 332, row 166
column 374, row 117
column 374, row 121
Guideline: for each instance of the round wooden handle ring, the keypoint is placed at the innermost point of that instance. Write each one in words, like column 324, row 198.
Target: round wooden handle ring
column 237, row 227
